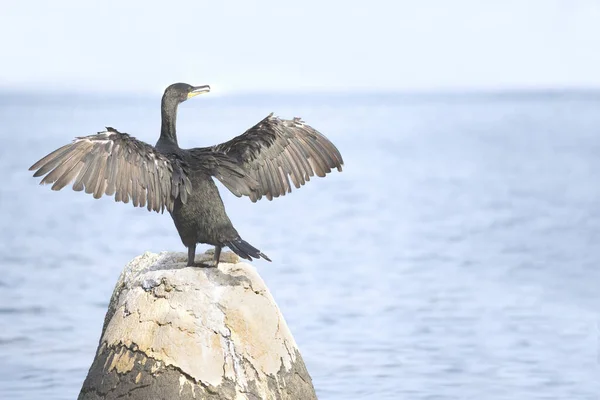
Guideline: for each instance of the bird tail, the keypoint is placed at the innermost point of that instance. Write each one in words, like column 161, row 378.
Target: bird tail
column 244, row 249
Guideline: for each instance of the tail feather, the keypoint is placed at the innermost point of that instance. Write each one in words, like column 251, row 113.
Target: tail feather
column 245, row 250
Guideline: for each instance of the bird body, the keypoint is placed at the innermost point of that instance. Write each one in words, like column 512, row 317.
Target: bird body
column 264, row 161
column 203, row 219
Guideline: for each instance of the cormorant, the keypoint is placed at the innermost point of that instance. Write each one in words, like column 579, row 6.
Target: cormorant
column 260, row 162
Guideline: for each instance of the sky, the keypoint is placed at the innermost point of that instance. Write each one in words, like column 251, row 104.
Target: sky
column 310, row 45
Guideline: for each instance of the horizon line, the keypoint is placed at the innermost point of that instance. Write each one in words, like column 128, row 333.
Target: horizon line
column 513, row 92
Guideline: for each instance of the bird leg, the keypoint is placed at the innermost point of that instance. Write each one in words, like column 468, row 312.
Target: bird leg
column 191, row 255
column 217, row 255
column 203, row 264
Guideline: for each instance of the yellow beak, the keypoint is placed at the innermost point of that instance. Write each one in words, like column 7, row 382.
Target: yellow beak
column 198, row 90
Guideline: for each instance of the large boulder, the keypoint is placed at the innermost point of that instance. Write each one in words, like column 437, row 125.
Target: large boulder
column 177, row 332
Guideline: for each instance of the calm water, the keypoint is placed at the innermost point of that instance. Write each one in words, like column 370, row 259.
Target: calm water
column 456, row 257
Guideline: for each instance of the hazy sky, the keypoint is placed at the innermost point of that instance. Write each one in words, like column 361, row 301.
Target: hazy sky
column 271, row 45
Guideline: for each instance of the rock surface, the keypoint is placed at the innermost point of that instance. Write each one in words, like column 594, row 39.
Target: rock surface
column 177, row 332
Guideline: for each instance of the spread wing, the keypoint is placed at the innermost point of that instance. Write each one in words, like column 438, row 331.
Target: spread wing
column 273, row 155
column 112, row 162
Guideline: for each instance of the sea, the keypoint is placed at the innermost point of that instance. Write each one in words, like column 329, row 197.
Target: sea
column 457, row 256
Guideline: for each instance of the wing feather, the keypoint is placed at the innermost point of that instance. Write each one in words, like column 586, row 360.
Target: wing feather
column 271, row 156
column 114, row 163
column 50, row 161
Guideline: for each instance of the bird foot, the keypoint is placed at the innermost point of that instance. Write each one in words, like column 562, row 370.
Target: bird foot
column 204, row 264
column 207, row 260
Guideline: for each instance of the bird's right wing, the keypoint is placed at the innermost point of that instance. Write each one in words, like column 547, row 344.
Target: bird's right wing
column 270, row 154
column 112, row 162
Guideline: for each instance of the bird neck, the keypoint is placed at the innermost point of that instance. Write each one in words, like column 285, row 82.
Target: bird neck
column 168, row 112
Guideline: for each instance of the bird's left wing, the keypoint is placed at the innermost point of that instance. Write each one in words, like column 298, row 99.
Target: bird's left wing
column 112, row 162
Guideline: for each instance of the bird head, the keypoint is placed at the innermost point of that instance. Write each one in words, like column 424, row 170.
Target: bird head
column 180, row 92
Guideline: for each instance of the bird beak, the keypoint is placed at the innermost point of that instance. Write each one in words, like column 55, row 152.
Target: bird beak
column 198, row 90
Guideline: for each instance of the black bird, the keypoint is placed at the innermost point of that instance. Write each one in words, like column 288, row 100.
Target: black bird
column 260, row 162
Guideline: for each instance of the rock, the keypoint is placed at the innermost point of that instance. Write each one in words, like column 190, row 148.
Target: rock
column 177, row 332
